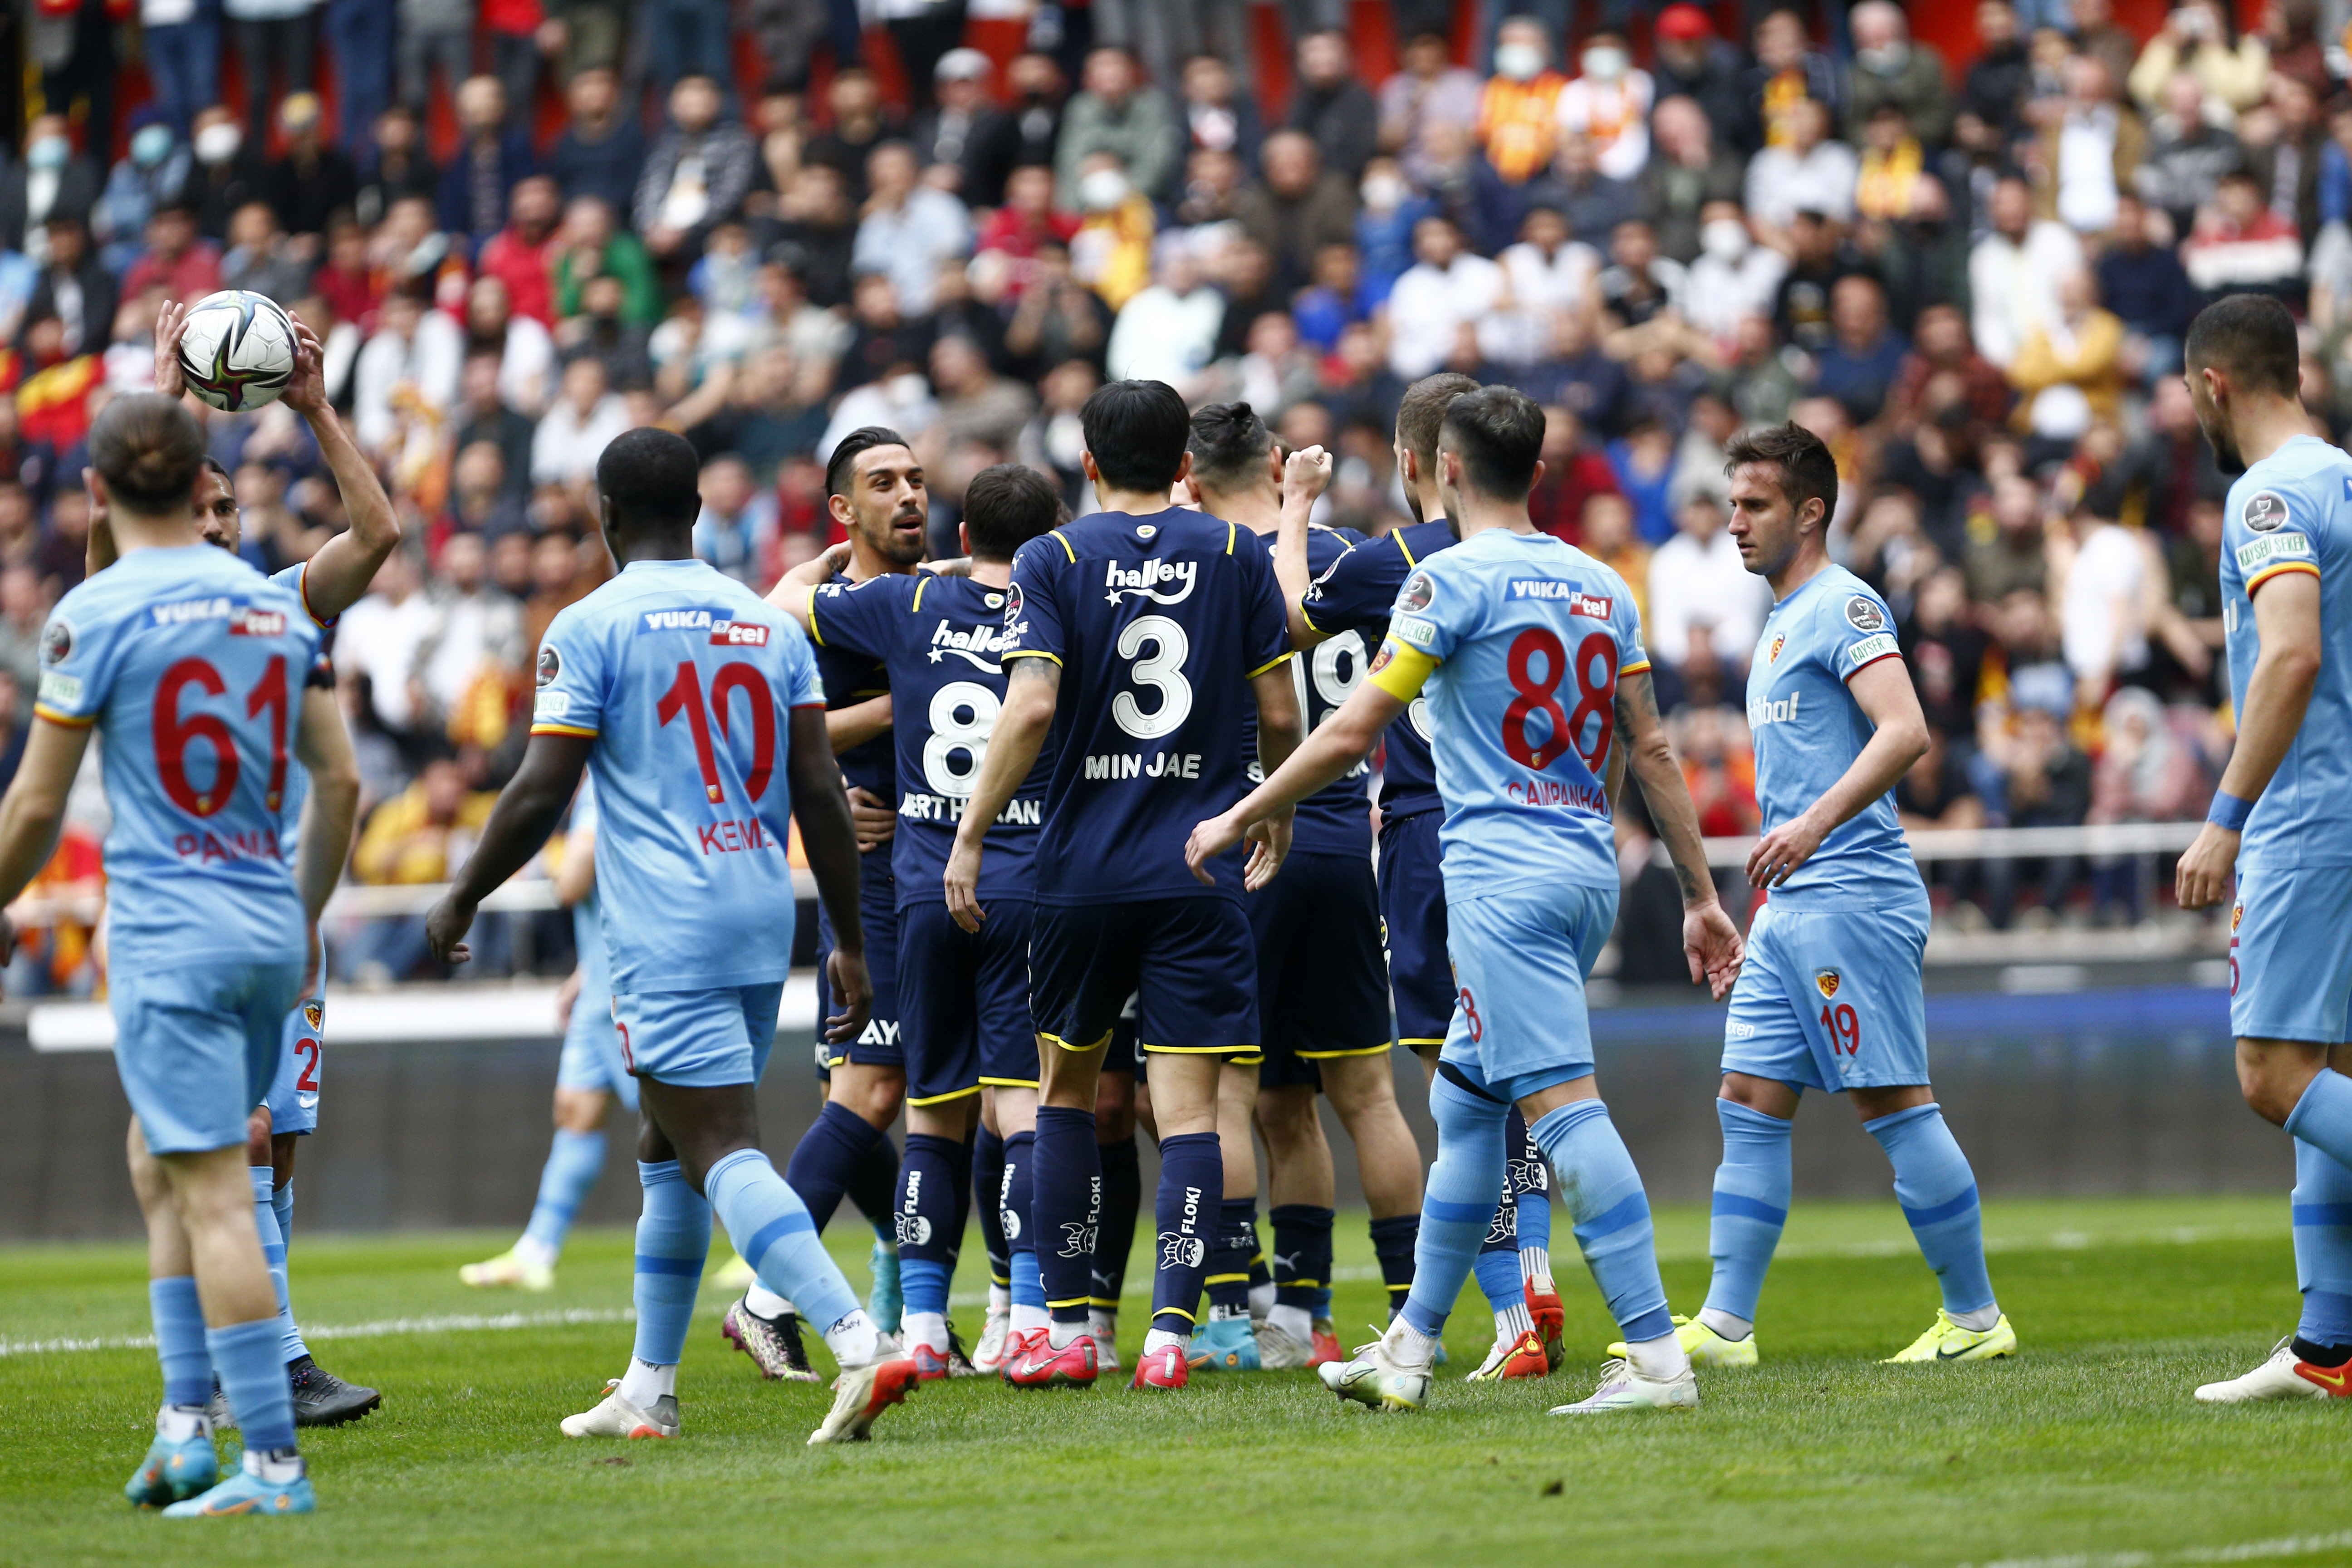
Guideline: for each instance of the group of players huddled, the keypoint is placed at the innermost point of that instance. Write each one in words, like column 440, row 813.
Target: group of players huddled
column 1090, row 803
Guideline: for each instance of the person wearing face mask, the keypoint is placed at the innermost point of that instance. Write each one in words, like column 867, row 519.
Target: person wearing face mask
column 155, row 170
column 1609, row 107
column 1111, row 252
column 1118, row 112
column 228, row 174
column 1891, row 66
column 52, row 180
column 1519, row 115
column 1688, row 169
column 1732, row 277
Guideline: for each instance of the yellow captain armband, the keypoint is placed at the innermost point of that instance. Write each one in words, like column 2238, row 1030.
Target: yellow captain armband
column 1399, row 670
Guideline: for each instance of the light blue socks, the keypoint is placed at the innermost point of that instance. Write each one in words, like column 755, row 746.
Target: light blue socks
column 1938, row 1194
column 772, row 1228
column 1611, row 1214
column 1751, row 1207
column 574, row 1163
column 673, row 1244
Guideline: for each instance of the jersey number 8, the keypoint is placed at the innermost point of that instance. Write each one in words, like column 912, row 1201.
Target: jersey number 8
column 952, row 733
column 1163, row 669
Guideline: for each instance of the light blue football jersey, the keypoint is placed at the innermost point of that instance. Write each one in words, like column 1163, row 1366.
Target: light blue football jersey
column 298, row 777
column 1531, row 635
column 686, row 678
column 2292, row 512
column 191, row 664
column 587, row 928
column 1809, row 730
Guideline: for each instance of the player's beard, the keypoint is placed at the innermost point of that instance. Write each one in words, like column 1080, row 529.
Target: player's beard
column 2218, row 436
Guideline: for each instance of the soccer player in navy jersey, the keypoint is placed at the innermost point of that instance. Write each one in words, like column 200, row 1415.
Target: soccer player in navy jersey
column 698, row 707
column 1354, row 593
column 874, row 491
column 1139, row 635
column 969, row 1045
column 1323, row 1005
column 327, row 583
column 197, row 670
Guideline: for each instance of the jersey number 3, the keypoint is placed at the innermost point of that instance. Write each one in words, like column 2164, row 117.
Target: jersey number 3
column 685, row 696
column 1595, row 710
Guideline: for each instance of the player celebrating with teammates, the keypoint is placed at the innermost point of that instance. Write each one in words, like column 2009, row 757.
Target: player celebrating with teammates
column 327, row 583
column 1163, row 624
column 1354, row 595
column 192, row 665
column 1531, row 659
column 966, row 1032
column 2278, row 820
column 699, row 710
column 1323, row 1005
column 1830, row 996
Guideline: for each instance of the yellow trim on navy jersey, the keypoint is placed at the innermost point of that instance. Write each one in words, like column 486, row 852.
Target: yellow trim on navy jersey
column 1285, row 654
column 942, row 1099
column 1231, row 534
column 1309, row 619
column 43, row 710
column 560, row 730
column 925, row 582
column 1402, row 669
column 1029, row 653
column 1379, row 1050
column 1640, row 669
column 1236, row 1052
column 1065, row 1045
column 1056, row 535
column 1421, row 1040
column 1403, row 548
column 987, row 1082
column 2267, row 573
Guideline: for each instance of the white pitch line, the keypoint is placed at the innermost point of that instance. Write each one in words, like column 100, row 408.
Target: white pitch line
column 2244, row 1552
column 456, row 1323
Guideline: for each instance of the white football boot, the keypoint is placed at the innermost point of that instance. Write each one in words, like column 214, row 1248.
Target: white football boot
column 615, row 1416
column 2285, row 1375
column 1622, row 1387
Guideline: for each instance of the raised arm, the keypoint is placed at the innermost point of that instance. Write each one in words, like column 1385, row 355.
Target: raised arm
column 1883, row 692
column 1031, row 691
column 324, row 749
column 1710, row 941
column 1304, row 475
column 831, row 844
column 526, row 814
column 2286, row 625
column 345, row 566
column 796, row 587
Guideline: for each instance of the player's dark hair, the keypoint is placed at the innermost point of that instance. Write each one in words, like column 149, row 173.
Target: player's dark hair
column 652, row 479
column 1229, row 445
column 148, row 451
column 1136, row 431
column 217, row 466
column 1499, row 432
column 1422, row 410
column 1005, row 507
column 843, row 464
column 2252, row 338
column 1808, row 472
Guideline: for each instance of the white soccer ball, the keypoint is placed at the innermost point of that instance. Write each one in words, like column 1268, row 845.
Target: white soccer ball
column 237, row 352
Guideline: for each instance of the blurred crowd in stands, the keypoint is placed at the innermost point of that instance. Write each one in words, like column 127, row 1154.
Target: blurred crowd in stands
column 521, row 227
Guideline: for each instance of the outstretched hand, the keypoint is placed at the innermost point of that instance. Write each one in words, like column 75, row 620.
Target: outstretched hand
column 306, row 389
column 171, row 325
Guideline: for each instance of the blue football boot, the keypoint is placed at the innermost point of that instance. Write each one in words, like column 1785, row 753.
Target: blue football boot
column 171, row 1471
column 244, row 1492
column 1223, row 1344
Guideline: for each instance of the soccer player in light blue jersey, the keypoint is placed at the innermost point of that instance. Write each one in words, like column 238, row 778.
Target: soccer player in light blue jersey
column 698, row 707
column 197, row 670
column 2279, row 820
column 591, row 1076
column 1830, row 997
column 327, row 583
column 1530, row 657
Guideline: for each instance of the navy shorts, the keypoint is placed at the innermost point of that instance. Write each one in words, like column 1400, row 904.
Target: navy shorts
column 968, row 1023
column 1412, row 916
column 878, row 905
column 1322, row 990
column 1188, row 964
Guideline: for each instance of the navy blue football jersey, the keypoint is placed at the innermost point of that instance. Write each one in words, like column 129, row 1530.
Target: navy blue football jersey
column 1337, row 818
column 1355, row 594
column 1159, row 624
column 940, row 641
column 851, row 678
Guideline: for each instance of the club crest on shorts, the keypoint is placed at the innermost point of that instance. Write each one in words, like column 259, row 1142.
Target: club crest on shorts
column 1826, row 981
column 551, row 664
column 2237, row 913
column 1865, row 615
column 2264, row 510
column 1780, row 641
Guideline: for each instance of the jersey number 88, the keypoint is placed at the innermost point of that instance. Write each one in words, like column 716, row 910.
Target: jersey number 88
column 1540, row 694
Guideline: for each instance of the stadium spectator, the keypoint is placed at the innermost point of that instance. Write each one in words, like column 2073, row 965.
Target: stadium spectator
column 1519, row 115
column 949, row 136
column 1118, row 112
column 2014, row 271
column 397, row 167
column 1440, row 298
column 697, row 175
column 583, row 420
column 601, row 150
column 1688, row 172
column 909, row 226
column 1805, row 171
column 490, row 162
column 1332, row 107
column 1297, row 207
column 277, row 52
column 178, row 259
column 1428, row 90
column 1692, row 62
column 420, row 836
column 1891, row 67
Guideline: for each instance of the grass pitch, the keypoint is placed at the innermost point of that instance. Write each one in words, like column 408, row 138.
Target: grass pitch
column 2086, row 1448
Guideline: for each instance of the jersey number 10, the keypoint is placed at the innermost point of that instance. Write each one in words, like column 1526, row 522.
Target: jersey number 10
column 685, row 696
column 173, row 734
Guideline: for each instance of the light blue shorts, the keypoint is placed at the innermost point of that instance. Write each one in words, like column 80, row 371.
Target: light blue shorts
column 1520, row 960
column 197, row 1046
column 2290, row 962
column 1830, row 999
column 592, row 1055
column 293, row 1098
column 698, row 1039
